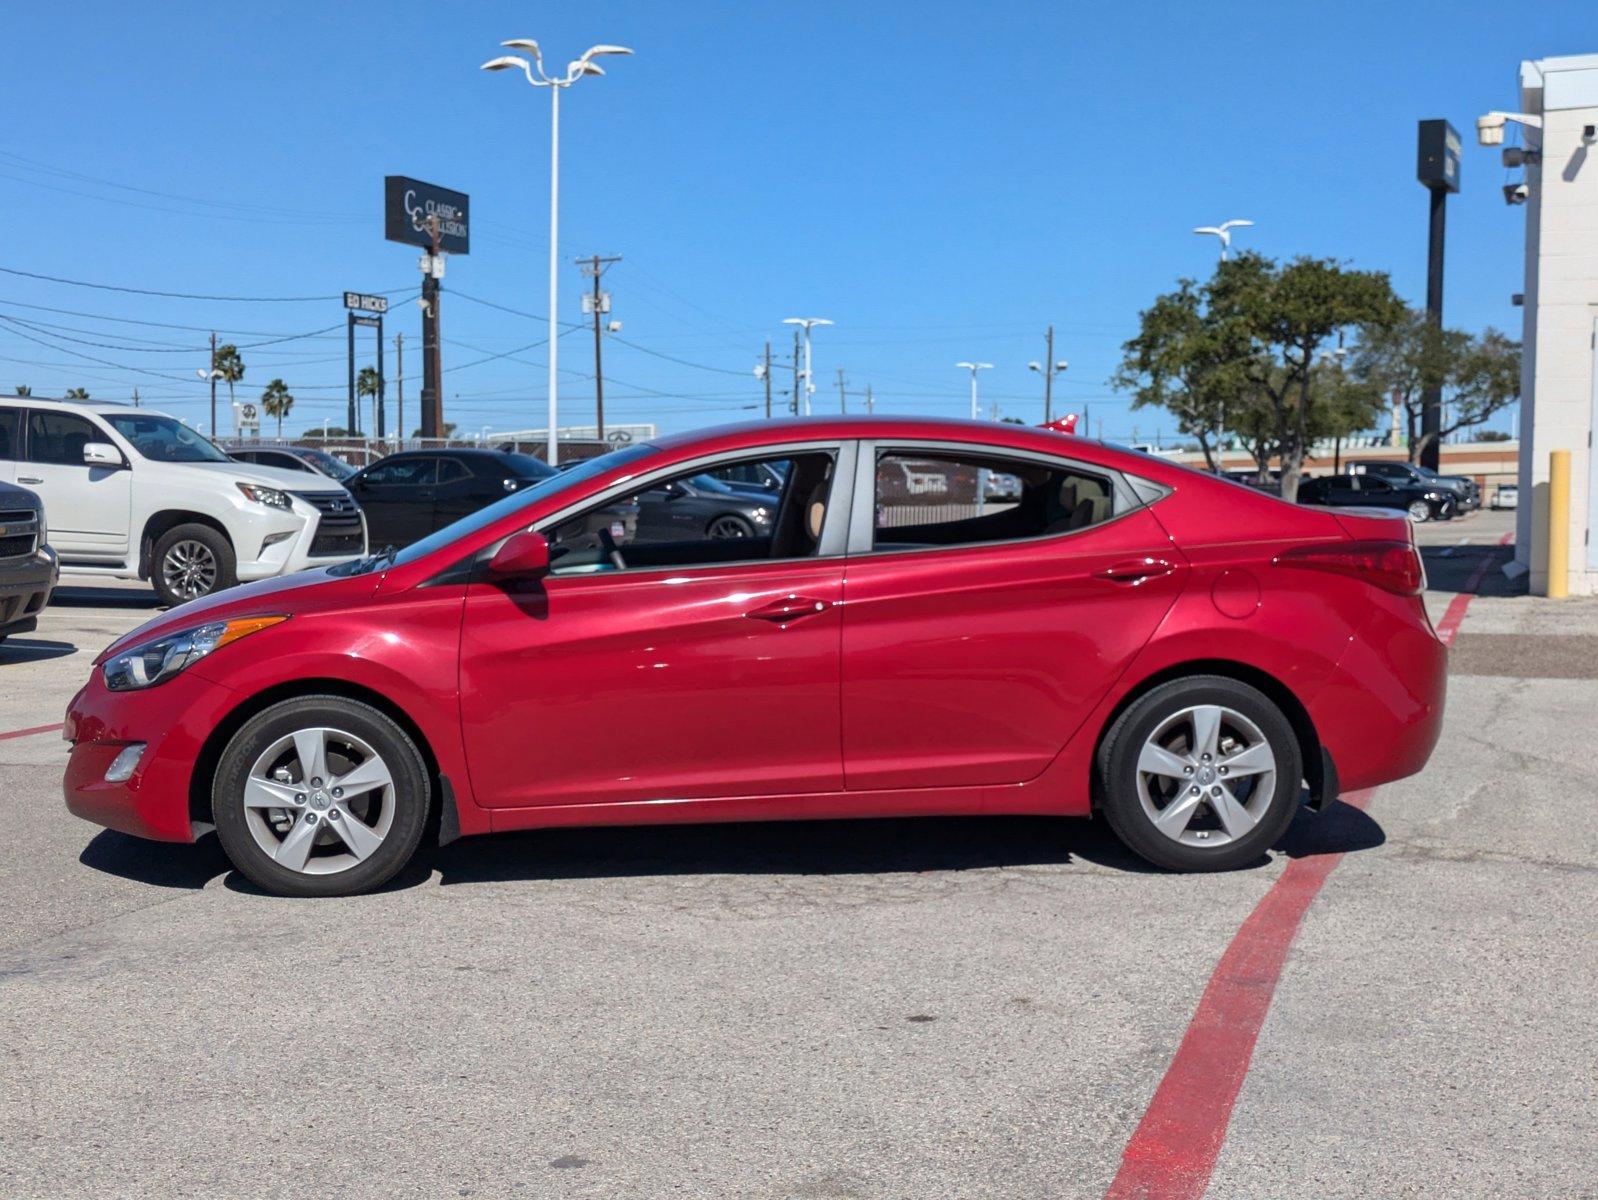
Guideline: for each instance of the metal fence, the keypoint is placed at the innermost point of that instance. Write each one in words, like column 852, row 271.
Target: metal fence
column 895, row 516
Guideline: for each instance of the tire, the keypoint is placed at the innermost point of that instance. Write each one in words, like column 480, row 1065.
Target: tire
column 190, row 561
column 729, row 526
column 300, row 847
column 1419, row 511
column 1258, row 803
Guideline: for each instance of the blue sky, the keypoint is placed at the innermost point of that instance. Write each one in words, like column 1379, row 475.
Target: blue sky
column 941, row 180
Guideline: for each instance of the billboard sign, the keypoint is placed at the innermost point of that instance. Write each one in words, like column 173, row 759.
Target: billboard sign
column 411, row 206
column 361, row 302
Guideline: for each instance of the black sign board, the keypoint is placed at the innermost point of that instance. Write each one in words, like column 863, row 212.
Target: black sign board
column 409, row 206
column 365, row 303
column 1437, row 163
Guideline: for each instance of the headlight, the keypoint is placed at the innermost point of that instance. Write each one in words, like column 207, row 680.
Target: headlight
column 270, row 497
column 761, row 515
column 155, row 662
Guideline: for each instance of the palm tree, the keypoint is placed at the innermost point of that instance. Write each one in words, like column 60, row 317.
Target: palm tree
column 367, row 383
column 77, row 394
column 24, row 390
column 229, row 366
column 276, row 402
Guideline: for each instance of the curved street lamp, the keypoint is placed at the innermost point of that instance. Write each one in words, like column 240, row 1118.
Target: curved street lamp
column 1223, row 231
column 974, row 367
column 576, row 69
column 807, row 323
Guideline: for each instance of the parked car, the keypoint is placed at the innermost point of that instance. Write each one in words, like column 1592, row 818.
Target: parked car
column 1187, row 657
column 1467, row 495
column 761, row 480
column 1372, row 491
column 136, row 494
column 28, row 570
column 296, row 458
column 408, row 495
column 705, row 506
column 1506, row 495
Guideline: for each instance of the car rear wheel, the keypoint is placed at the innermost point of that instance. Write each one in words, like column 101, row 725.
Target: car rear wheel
column 1420, row 512
column 1200, row 774
column 191, row 561
column 730, row 527
column 320, row 796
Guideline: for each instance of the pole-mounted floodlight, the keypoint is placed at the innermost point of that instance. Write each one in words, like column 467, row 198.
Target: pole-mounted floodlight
column 807, row 323
column 1223, row 231
column 974, row 367
column 534, row 70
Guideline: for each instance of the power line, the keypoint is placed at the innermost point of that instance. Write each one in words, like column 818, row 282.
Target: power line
column 111, row 287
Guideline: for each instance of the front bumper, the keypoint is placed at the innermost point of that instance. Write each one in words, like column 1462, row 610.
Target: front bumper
column 25, row 587
column 172, row 720
column 294, row 542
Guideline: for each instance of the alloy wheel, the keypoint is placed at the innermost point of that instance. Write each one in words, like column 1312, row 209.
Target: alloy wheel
column 1206, row 776
column 1420, row 511
column 728, row 527
column 319, row 801
column 189, row 569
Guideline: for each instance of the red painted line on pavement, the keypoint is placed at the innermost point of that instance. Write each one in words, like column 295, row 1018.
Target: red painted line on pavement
column 16, row 733
column 1173, row 1151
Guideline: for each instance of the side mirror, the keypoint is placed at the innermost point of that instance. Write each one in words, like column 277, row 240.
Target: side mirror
column 522, row 556
column 102, row 454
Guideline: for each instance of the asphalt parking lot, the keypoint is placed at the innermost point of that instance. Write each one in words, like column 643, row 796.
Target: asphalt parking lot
column 875, row 1009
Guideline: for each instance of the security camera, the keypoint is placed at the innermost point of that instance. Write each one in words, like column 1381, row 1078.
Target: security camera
column 1516, row 193
column 1589, row 133
column 1519, row 156
column 614, row 327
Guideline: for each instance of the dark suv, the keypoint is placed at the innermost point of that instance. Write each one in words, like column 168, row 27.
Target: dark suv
column 28, row 569
column 1402, row 474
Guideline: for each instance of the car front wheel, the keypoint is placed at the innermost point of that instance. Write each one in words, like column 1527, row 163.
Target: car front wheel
column 1200, row 774
column 1420, row 512
column 191, row 561
column 320, row 796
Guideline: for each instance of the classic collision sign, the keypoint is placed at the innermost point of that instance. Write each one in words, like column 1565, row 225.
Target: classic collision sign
column 410, row 206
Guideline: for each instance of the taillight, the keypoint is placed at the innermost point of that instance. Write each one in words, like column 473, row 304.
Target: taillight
column 1392, row 566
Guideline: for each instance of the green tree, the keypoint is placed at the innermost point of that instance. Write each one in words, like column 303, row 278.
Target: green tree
column 24, row 390
column 277, row 402
column 229, row 365
column 332, row 431
column 1189, row 363
column 1286, row 314
column 367, row 384
column 1477, row 376
column 77, row 393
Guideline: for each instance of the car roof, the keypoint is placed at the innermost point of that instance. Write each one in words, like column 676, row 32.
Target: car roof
column 90, row 408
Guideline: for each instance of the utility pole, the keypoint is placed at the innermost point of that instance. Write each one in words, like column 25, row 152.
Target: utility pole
column 432, row 265
column 766, row 375
column 135, row 397
column 399, row 384
column 598, row 304
column 797, row 338
column 869, row 409
column 843, row 396
column 1048, row 378
column 212, row 374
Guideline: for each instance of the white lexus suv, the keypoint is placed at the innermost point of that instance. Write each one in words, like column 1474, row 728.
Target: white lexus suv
column 136, row 494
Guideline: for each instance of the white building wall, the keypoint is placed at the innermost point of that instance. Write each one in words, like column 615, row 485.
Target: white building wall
column 1561, row 308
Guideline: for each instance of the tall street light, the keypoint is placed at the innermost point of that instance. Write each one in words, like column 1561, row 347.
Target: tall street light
column 534, row 70
column 1223, row 231
column 1054, row 368
column 807, row 323
column 974, row 367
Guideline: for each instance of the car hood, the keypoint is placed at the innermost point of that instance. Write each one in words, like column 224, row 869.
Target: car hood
column 303, row 592
column 277, row 477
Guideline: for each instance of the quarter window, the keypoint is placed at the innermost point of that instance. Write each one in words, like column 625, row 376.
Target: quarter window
column 927, row 500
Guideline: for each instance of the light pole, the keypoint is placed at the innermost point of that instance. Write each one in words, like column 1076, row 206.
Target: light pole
column 1054, row 368
column 213, row 375
column 575, row 70
column 974, row 367
column 807, row 324
column 1223, row 232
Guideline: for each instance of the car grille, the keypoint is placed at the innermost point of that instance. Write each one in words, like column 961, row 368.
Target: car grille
column 339, row 532
column 19, row 532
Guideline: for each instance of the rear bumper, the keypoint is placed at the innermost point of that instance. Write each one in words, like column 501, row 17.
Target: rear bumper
column 172, row 720
column 25, row 587
column 1380, row 714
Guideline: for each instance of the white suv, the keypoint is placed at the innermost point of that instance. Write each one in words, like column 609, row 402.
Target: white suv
column 136, row 494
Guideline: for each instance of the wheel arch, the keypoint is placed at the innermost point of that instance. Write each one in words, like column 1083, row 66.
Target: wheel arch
column 210, row 755
column 164, row 521
column 1319, row 771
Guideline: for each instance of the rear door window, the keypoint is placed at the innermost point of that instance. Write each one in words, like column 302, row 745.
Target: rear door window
column 58, row 439
column 10, row 434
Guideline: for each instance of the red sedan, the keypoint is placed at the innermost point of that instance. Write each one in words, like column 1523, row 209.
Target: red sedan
column 1188, row 656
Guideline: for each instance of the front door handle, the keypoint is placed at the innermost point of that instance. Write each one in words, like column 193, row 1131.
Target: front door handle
column 1135, row 570
column 788, row 608
column 29, row 479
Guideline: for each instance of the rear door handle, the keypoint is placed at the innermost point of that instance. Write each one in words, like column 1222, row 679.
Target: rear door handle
column 788, row 608
column 1135, row 570
column 29, row 479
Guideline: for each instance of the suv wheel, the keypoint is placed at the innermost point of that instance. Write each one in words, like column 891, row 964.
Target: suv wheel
column 191, row 561
column 1201, row 774
column 320, row 796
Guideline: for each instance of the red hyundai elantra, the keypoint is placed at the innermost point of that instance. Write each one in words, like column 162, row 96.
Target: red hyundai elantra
column 922, row 618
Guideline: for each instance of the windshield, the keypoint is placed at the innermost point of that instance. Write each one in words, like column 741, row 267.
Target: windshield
column 525, row 466
column 163, row 439
column 326, row 463
column 556, row 481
